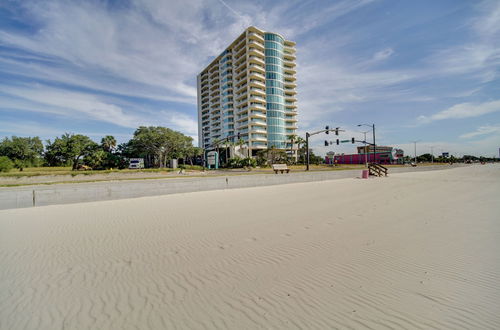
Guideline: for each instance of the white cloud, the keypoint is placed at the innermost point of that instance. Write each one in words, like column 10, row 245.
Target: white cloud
column 38, row 98
column 482, row 130
column 383, row 54
column 463, row 110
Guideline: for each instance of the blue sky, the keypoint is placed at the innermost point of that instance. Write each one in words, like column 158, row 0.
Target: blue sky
column 420, row 70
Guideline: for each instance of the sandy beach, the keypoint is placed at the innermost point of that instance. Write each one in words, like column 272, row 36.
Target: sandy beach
column 411, row 251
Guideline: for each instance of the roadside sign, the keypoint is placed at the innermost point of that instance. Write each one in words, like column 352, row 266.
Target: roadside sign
column 212, row 159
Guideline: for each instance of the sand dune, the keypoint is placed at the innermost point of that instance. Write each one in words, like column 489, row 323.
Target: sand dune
column 411, row 251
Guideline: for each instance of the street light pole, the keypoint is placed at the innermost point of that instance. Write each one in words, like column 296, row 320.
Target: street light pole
column 366, row 149
column 374, row 143
column 432, row 154
column 415, row 143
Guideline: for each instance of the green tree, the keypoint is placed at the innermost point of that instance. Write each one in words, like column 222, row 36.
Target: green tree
column 108, row 143
column 301, row 150
column 97, row 159
column 292, row 138
column 158, row 144
column 24, row 151
column 69, row 149
column 192, row 152
column 424, row 158
column 5, row 164
column 271, row 155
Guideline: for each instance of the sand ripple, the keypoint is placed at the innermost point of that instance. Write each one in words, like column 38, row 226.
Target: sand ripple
column 411, row 251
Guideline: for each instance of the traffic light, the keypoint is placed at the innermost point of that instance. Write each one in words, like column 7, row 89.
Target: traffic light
column 338, row 141
column 326, row 143
column 352, row 140
column 327, row 129
column 239, row 136
column 337, row 131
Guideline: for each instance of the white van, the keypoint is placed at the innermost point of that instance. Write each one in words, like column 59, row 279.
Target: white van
column 136, row 163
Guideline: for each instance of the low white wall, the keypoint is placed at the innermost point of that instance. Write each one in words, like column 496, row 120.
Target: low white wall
column 39, row 195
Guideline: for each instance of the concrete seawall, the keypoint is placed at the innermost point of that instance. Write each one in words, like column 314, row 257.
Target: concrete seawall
column 40, row 195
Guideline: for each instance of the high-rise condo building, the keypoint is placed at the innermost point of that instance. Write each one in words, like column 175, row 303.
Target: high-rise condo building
column 250, row 89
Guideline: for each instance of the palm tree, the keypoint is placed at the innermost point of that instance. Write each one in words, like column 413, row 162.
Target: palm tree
column 241, row 143
column 292, row 138
column 108, row 143
column 300, row 141
column 228, row 144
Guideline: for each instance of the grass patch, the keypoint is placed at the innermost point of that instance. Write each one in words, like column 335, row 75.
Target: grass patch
column 39, row 171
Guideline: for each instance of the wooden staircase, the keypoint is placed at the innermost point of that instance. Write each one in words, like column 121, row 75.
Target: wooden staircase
column 377, row 169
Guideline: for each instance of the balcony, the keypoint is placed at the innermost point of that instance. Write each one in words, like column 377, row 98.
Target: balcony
column 257, row 99
column 256, row 44
column 256, row 36
column 257, row 67
column 239, row 44
column 258, row 129
column 241, row 110
column 258, row 122
column 257, row 114
column 258, row 138
column 257, row 106
column 241, row 86
column 255, row 51
column 260, row 145
column 256, row 59
column 258, row 91
column 213, row 69
column 256, row 75
column 241, row 66
column 242, row 125
column 289, row 70
column 241, row 75
column 240, row 96
column 257, row 83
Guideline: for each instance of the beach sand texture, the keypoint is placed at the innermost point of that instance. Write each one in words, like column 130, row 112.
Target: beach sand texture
column 410, row 251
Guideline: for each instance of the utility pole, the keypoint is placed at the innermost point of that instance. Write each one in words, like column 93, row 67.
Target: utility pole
column 307, row 151
column 432, row 154
column 415, row 143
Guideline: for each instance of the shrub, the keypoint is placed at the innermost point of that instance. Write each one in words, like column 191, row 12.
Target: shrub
column 235, row 162
column 249, row 162
column 261, row 161
column 5, row 164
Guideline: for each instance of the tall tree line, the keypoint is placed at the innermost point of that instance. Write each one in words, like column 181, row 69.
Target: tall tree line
column 157, row 145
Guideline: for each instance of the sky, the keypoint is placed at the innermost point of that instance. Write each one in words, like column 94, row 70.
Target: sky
column 426, row 71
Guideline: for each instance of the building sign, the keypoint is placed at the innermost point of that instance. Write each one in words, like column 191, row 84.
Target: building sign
column 446, row 154
column 212, row 158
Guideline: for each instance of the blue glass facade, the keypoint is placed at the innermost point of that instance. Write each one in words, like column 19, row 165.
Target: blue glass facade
column 275, row 100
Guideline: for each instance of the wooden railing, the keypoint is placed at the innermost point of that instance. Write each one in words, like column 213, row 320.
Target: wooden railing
column 377, row 169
